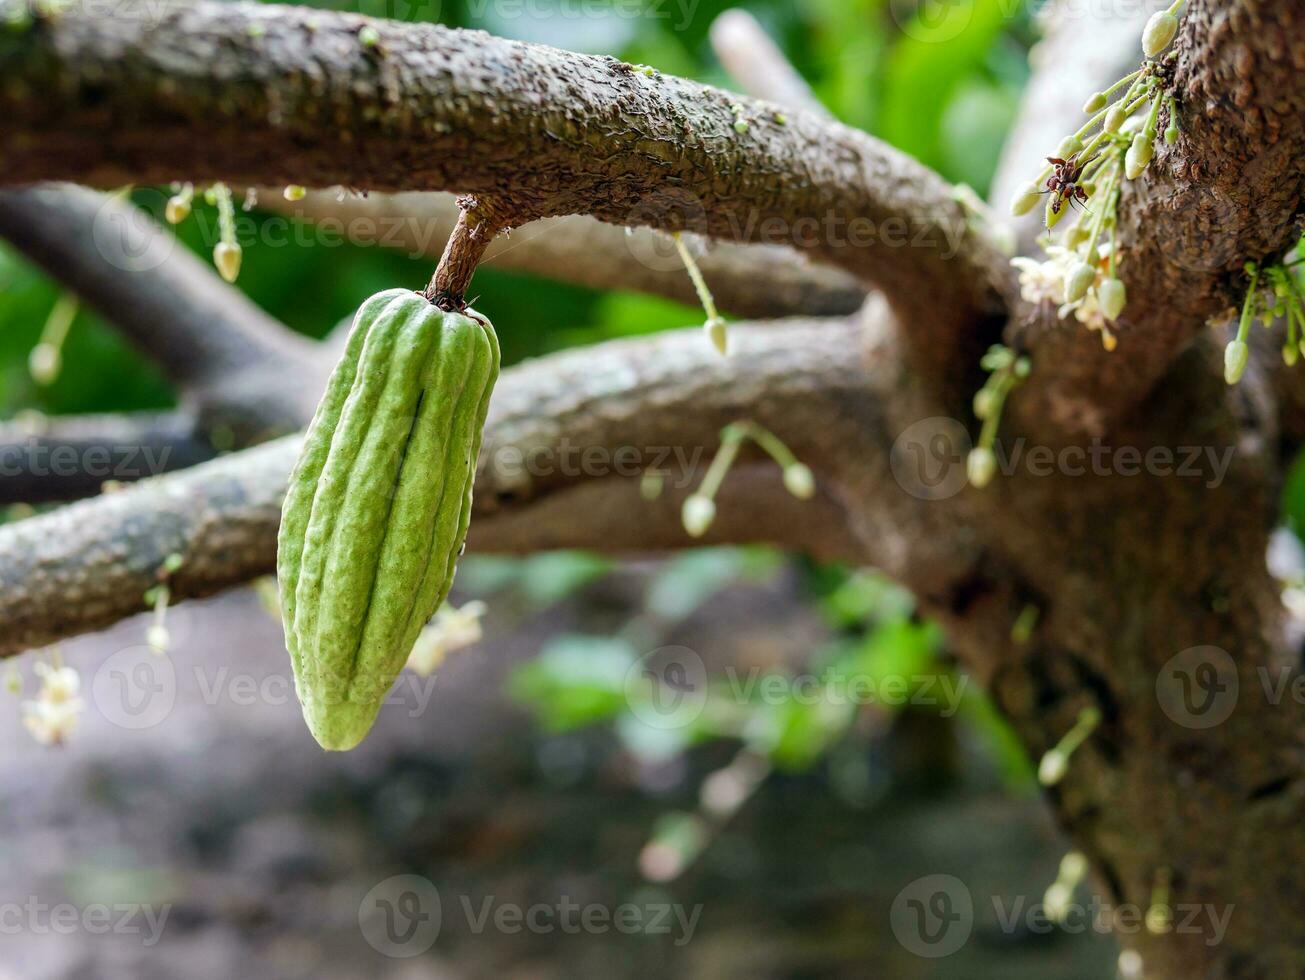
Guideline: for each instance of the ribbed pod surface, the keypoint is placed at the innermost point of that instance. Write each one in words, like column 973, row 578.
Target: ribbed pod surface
column 378, row 504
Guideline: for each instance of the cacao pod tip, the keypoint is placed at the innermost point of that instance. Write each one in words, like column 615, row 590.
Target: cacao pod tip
column 340, row 727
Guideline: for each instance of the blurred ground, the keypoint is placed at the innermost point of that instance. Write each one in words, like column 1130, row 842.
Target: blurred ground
column 262, row 849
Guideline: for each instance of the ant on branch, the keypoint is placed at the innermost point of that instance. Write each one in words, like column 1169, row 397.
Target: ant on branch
column 1063, row 183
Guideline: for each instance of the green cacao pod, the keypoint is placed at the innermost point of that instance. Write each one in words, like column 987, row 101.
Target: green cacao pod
column 378, row 504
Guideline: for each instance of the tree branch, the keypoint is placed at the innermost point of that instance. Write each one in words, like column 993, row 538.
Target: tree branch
column 567, row 440
column 46, row 459
column 478, row 224
column 258, row 94
column 581, row 250
column 1230, row 190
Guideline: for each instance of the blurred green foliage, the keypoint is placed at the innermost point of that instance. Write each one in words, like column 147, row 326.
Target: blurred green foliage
column 879, row 659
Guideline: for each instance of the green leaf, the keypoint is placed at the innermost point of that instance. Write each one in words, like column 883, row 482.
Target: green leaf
column 575, row 681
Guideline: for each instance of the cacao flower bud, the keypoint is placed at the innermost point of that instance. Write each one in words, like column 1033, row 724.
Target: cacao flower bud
column 1079, row 280
column 697, row 515
column 1112, row 297
column 1235, row 356
column 799, row 481
column 1159, row 31
column 980, row 467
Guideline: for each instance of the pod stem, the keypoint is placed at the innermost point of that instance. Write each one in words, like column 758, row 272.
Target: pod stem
column 478, row 225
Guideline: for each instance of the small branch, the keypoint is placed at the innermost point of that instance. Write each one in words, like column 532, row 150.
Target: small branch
column 756, row 63
column 478, row 224
column 568, row 438
column 46, row 459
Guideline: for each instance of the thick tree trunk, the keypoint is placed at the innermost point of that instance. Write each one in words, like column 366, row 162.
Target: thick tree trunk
column 1155, row 607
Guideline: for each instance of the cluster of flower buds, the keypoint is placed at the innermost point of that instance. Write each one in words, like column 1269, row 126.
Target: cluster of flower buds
column 1006, row 370
column 52, row 717
column 1274, row 292
column 1086, row 175
column 227, row 254
column 699, row 508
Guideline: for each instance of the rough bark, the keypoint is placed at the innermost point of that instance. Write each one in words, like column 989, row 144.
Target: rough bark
column 1127, row 571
